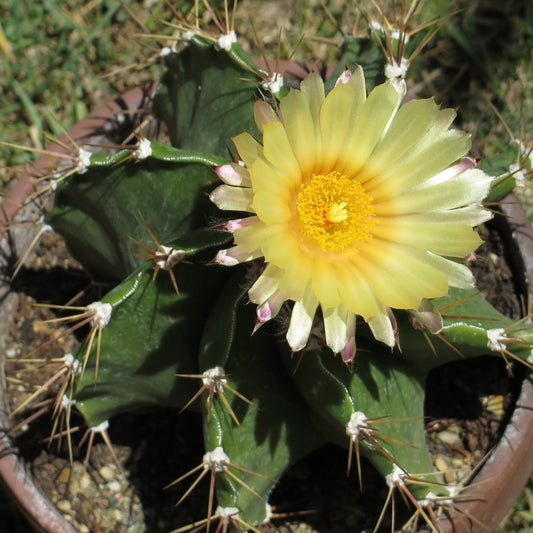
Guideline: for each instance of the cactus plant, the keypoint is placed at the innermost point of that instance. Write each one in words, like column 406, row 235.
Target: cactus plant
column 344, row 218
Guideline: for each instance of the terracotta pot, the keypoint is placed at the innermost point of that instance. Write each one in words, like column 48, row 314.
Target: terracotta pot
column 498, row 483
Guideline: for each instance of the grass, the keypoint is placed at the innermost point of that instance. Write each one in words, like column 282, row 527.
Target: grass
column 60, row 59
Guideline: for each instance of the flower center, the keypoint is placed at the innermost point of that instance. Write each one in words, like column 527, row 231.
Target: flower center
column 335, row 211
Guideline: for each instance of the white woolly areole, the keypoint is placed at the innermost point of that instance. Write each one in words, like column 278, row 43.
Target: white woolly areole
column 84, row 161
column 225, row 513
column 214, row 376
column 102, row 314
column 143, row 150
column 396, row 477
column 226, row 41
column 165, row 51
column 187, row 36
column 67, row 402
column 274, row 83
column 453, row 490
column 496, row 339
column 100, row 428
column 171, row 257
column 432, row 499
column 393, row 70
column 72, row 363
column 216, row 459
column 357, row 421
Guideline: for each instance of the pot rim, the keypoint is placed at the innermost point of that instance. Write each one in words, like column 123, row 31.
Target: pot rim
column 509, row 465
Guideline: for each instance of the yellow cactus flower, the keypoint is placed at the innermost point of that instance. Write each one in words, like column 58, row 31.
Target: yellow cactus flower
column 360, row 205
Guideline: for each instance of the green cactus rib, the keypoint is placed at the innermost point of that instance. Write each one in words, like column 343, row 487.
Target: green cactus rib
column 152, row 335
column 474, row 327
column 381, row 387
column 272, row 433
column 159, row 151
column 203, row 107
column 98, row 211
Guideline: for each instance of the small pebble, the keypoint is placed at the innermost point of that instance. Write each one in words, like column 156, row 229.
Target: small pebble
column 64, row 506
column 450, row 436
column 107, row 473
column 64, row 475
column 114, row 486
column 441, row 463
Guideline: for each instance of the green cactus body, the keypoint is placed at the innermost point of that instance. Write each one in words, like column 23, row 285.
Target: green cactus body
column 282, row 406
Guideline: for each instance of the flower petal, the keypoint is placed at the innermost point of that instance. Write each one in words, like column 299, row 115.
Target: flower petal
column 233, row 174
column 301, row 321
column 278, row 151
column 365, row 133
column 459, row 275
column 249, row 149
column 336, row 327
column 232, row 198
column 408, row 128
column 338, row 114
column 325, row 284
column 263, row 114
column 468, row 187
column 265, row 285
column 419, row 166
column 381, row 327
column 300, row 128
column 420, row 231
column 356, row 294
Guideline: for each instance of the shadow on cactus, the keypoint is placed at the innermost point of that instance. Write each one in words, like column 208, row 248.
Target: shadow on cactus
column 309, row 294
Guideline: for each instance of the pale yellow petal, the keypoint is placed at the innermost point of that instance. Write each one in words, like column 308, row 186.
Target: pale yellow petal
column 367, row 130
column 256, row 235
column 419, row 231
column 407, row 129
column 265, row 285
column 382, row 329
column 280, row 248
column 420, row 166
column 337, row 115
column 399, row 278
column 325, row 284
column 263, row 114
column 459, row 275
column 336, row 327
column 469, row 187
column 270, row 208
column 249, row 149
column 265, row 176
column 300, row 129
column 278, row 151
column 312, row 87
column 297, row 274
column 301, row 322
column 356, row 294
column 232, row 198
column 357, row 82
